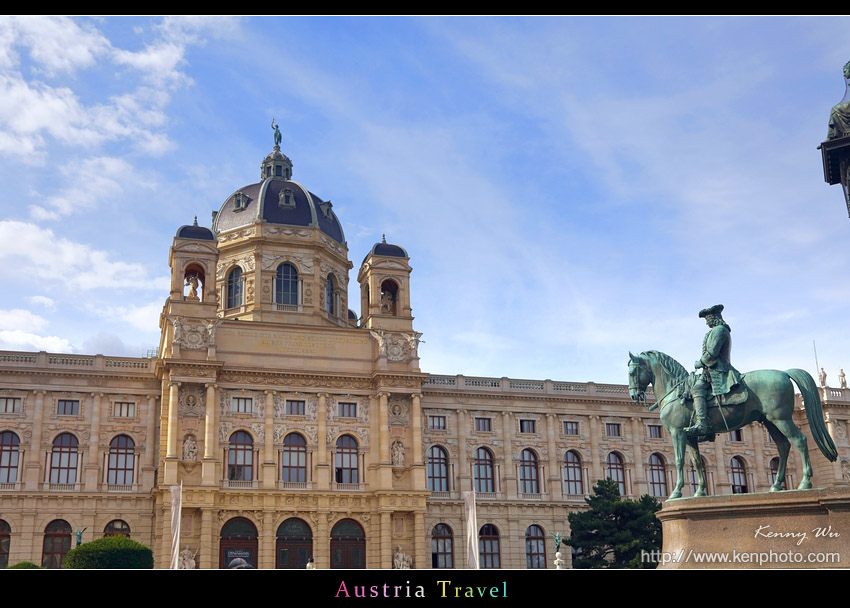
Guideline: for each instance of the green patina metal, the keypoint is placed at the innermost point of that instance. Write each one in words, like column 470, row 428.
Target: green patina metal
column 839, row 117
column 765, row 396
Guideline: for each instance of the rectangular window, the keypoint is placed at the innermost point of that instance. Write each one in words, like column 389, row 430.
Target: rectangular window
column 527, row 426
column 437, row 423
column 654, row 431
column 570, row 428
column 68, row 407
column 242, row 405
column 482, row 424
column 294, row 408
column 737, row 435
column 347, row 410
column 612, row 429
column 10, row 405
column 124, row 409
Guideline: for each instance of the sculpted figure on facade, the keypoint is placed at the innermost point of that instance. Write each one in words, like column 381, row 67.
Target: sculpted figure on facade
column 190, row 449
column 401, row 560
column 186, row 559
column 842, row 379
column 192, row 282
column 211, row 327
column 398, row 454
column 822, row 378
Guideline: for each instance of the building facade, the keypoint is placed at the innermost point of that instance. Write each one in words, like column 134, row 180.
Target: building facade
column 298, row 429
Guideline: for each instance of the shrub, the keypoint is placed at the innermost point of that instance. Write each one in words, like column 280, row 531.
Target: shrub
column 110, row 552
column 24, row 566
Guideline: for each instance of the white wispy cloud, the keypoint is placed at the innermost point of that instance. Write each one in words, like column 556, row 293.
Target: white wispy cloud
column 18, row 319
column 48, row 303
column 25, row 341
column 30, row 252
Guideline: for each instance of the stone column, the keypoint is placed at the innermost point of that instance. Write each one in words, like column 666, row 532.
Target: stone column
column 419, row 552
column 208, row 476
column 323, row 469
column 266, row 557
column 208, row 553
column 508, row 485
column 597, row 459
column 464, row 480
column 269, row 466
column 94, row 462
column 555, row 487
column 321, row 542
column 640, row 482
column 171, row 457
column 386, row 540
column 151, row 445
column 384, row 459
column 34, row 474
column 416, row 428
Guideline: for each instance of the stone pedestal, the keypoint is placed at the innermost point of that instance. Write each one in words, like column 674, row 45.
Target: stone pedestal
column 795, row 529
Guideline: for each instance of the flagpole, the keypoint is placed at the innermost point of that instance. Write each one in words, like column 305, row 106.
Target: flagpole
column 176, row 510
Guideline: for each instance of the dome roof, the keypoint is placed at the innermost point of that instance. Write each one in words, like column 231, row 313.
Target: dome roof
column 388, row 250
column 195, row 232
column 278, row 201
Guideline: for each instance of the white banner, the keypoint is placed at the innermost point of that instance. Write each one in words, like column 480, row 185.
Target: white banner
column 471, row 530
column 176, row 509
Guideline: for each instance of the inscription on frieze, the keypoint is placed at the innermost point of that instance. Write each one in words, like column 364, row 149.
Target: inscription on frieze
column 288, row 343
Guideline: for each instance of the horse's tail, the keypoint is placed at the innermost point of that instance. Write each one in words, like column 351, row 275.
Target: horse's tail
column 814, row 412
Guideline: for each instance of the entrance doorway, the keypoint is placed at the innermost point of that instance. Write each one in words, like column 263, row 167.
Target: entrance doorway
column 348, row 545
column 294, row 545
column 238, row 545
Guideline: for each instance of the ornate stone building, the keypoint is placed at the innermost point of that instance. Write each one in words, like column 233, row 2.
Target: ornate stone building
column 298, row 429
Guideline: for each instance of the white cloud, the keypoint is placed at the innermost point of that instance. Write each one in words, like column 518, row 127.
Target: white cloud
column 26, row 341
column 143, row 318
column 89, row 181
column 56, row 44
column 48, row 303
column 18, row 319
column 28, row 251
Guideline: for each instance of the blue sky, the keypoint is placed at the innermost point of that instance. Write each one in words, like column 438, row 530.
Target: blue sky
column 568, row 189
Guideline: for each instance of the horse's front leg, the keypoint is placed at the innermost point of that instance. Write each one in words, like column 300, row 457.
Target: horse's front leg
column 696, row 461
column 678, row 436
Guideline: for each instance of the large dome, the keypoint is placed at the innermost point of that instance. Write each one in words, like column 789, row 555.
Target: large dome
column 278, row 200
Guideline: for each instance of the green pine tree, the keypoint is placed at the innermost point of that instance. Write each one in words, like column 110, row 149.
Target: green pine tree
column 614, row 531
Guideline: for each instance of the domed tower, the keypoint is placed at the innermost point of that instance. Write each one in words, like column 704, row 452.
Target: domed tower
column 283, row 256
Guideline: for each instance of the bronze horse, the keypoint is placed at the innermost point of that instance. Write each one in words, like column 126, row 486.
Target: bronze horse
column 770, row 401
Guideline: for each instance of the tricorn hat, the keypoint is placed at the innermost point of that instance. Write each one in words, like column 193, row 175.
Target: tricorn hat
column 714, row 310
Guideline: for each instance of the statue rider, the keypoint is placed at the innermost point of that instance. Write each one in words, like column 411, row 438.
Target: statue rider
column 717, row 372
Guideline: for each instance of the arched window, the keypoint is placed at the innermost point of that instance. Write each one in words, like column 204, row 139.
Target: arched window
column 121, row 461
column 5, row 543
column 348, row 545
column 774, row 470
column 330, row 295
column 57, row 543
column 442, row 555
column 238, row 544
column 738, row 472
column 347, row 470
column 488, row 547
column 117, row 527
column 240, row 457
column 616, row 471
column 294, row 544
column 657, row 476
column 286, row 285
column 438, row 470
column 573, row 485
column 483, row 463
column 294, row 459
column 63, row 459
column 234, row 288
column 529, row 482
column 9, row 453
column 535, row 547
